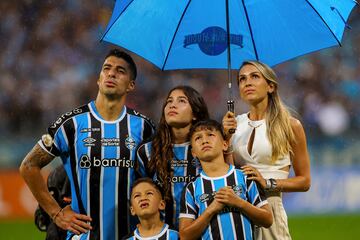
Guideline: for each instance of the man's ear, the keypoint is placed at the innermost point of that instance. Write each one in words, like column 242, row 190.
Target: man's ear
column 132, row 211
column 162, row 205
column 131, row 86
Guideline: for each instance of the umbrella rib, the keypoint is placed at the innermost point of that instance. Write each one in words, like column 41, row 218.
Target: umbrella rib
column 322, row 19
column 115, row 20
column 251, row 32
column 172, row 40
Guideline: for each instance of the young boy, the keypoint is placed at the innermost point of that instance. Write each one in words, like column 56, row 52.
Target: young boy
column 146, row 203
column 220, row 203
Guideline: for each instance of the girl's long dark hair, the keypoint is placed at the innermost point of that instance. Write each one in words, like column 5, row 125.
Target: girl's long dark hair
column 162, row 152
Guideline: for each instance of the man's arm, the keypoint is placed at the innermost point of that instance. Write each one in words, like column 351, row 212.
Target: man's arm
column 30, row 168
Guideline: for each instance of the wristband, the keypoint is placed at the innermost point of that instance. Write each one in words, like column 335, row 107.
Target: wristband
column 273, row 184
column 268, row 184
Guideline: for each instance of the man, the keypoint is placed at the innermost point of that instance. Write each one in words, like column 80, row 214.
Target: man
column 221, row 203
column 97, row 144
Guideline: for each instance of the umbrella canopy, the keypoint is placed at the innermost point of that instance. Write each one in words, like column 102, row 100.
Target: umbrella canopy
column 186, row 34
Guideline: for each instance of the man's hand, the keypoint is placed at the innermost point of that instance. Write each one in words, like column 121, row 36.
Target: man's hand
column 69, row 220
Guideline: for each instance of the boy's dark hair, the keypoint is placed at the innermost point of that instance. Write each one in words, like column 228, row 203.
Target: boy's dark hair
column 121, row 54
column 151, row 182
column 209, row 124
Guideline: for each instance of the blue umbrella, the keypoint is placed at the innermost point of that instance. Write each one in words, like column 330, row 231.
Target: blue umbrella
column 186, row 34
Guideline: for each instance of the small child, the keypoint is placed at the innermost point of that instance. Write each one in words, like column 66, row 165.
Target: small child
column 221, row 203
column 146, row 203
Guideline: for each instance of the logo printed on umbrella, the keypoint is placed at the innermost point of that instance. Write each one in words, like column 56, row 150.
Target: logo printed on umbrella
column 213, row 40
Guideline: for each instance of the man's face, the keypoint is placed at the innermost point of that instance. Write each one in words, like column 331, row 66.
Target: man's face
column 207, row 144
column 146, row 200
column 115, row 78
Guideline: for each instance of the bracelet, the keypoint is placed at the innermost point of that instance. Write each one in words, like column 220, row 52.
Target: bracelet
column 273, row 184
column 268, row 184
column 57, row 214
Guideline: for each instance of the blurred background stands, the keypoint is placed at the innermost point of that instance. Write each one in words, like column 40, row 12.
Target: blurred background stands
column 51, row 57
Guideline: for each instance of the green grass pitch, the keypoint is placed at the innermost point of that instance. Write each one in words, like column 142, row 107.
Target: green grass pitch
column 327, row 227
column 310, row 227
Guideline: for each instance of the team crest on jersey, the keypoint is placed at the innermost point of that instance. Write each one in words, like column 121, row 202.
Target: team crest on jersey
column 237, row 190
column 195, row 162
column 130, row 143
column 205, row 197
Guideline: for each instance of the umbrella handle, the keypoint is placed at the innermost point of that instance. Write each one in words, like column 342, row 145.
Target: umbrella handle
column 230, row 106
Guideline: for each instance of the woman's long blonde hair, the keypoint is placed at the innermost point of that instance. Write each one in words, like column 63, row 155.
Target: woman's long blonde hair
column 279, row 130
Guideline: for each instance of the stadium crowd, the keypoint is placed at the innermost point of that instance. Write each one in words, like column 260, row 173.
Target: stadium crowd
column 50, row 50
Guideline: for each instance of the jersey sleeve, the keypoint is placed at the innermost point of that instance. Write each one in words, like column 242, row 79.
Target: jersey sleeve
column 55, row 141
column 253, row 193
column 188, row 207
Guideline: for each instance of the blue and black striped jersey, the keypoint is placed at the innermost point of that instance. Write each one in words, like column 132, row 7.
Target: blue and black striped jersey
column 184, row 169
column 98, row 157
column 165, row 234
column 230, row 223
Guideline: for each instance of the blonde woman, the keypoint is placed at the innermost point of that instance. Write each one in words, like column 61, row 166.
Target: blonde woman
column 267, row 143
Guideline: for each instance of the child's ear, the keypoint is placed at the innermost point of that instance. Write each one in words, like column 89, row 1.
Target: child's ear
column 162, row 205
column 225, row 145
column 193, row 154
column 132, row 211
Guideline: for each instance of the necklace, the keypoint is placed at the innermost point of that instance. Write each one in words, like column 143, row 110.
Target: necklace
column 255, row 124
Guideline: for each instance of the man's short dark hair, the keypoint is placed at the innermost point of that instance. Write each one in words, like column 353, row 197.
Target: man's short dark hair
column 209, row 124
column 127, row 58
